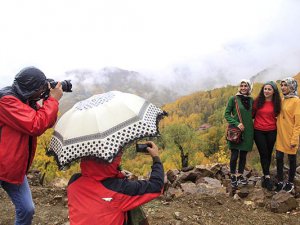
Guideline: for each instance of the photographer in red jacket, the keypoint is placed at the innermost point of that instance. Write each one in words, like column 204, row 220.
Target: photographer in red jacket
column 101, row 194
column 22, row 119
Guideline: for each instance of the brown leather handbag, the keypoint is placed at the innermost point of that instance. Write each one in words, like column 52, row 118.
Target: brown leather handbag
column 233, row 133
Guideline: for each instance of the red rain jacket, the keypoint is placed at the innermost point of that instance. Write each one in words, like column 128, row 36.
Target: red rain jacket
column 101, row 195
column 18, row 121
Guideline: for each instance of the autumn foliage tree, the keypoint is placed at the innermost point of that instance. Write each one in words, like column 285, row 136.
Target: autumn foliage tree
column 181, row 137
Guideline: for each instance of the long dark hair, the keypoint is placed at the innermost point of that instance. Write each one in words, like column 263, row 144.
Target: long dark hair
column 260, row 100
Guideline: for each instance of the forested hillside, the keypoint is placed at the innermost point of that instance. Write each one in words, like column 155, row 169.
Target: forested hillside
column 194, row 129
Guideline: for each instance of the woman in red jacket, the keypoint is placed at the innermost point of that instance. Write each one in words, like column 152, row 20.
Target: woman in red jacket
column 21, row 121
column 102, row 195
column 266, row 108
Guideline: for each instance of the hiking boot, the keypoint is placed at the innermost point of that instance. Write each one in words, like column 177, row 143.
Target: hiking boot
column 242, row 180
column 268, row 184
column 288, row 187
column 234, row 182
column 279, row 186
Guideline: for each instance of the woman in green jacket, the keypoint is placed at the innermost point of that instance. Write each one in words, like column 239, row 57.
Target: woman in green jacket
column 239, row 151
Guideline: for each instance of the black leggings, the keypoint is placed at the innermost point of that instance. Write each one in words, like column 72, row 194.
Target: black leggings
column 292, row 162
column 235, row 153
column 265, row 141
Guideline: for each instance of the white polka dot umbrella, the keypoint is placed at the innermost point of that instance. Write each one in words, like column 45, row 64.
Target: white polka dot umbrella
column 100, row 125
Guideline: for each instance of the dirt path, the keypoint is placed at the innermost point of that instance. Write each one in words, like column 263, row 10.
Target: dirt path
column 207, row 210
column 51, row 208
column 50, row 204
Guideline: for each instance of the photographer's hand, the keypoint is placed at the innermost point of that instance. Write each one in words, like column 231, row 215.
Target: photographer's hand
column 56, row 92
column 153, row 150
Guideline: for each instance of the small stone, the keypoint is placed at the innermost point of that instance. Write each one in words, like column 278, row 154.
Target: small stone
column 177, row 215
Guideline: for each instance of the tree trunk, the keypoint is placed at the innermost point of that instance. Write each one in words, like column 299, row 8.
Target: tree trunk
column 184, row 157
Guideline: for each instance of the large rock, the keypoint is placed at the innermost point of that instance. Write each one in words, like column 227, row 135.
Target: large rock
column 172, row 175
column 210, row 186
column 209, row 181
column 205, row 185
column 189, row 176
column 189, row 188
column 283, row 202
column 258, row 197
column 203, row 171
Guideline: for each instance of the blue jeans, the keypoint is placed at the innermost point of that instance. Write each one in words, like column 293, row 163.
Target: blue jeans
column 20, row 195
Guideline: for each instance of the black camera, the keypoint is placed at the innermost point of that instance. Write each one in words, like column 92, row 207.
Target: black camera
column 65, row 84
column 142, row 147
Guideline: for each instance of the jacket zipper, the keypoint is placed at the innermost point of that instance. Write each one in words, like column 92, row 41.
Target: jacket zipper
column 0, row 133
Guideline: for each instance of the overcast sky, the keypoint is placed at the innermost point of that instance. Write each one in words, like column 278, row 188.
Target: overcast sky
column 236, row 38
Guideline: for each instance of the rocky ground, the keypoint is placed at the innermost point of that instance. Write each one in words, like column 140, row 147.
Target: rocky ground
column 200, row 201
column 50, row 203
column 185, row 210
column 208, row 210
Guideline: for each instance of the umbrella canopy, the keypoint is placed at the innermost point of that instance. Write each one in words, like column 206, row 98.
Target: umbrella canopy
column 101, row 125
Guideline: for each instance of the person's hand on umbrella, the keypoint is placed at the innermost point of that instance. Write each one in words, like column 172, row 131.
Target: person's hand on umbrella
column 56, row 92
column 153, row 150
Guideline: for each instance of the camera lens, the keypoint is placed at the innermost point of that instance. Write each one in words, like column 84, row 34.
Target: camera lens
column 66, row 86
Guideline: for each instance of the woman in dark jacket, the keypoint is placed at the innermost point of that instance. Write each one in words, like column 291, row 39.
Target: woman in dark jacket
column 239, row 151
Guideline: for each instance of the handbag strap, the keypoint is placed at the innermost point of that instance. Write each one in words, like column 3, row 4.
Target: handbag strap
column 238, row 109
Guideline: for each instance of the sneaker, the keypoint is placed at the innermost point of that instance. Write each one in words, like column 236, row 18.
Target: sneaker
column 242, row 180
column 268, row 183
column 288, row 187
column 234, row 182
column 279, row 186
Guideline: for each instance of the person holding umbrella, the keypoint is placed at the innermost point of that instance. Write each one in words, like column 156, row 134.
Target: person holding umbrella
column 96, row 131
column 102, row 194
column 22, row 119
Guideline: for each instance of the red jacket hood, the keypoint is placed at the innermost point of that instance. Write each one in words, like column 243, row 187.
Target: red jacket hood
column 100, row 170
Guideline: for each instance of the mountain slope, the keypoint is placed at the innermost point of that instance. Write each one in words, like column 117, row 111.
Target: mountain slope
column 87, row 83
